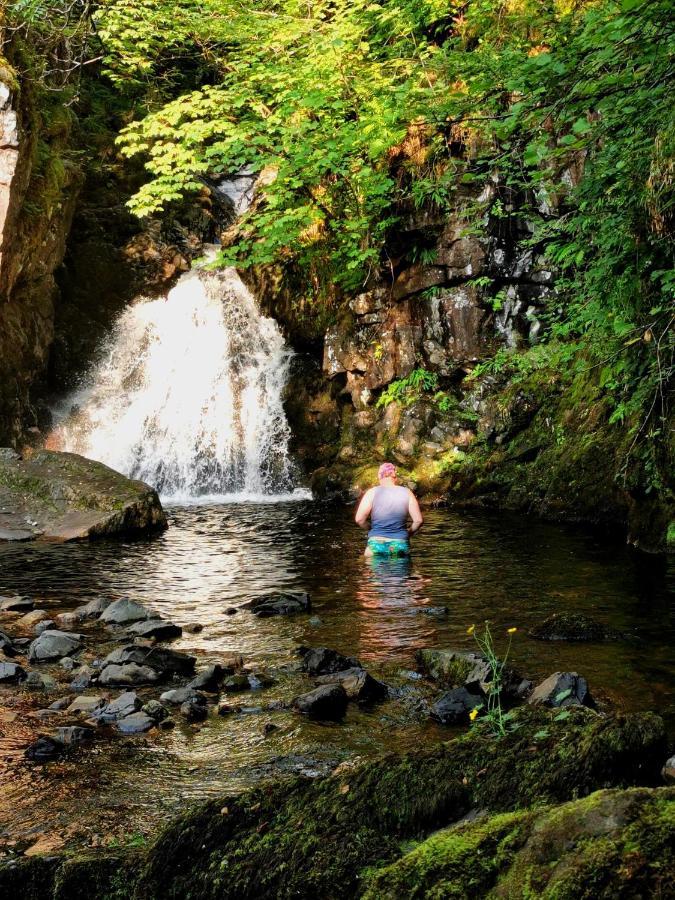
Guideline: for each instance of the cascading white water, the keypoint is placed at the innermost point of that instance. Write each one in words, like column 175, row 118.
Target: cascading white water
column 187, row 395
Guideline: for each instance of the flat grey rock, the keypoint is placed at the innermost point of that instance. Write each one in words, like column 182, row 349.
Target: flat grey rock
column 178, row 696
column 123, row 612
column 124, row 705
column 54, row 644
column 136, row 723
column 85, row 705
column 158, row 629
column 11, row 673
column 128, row 673
column 17, row 604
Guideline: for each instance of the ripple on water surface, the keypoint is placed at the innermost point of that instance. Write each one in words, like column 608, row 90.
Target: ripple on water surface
column 215, row 557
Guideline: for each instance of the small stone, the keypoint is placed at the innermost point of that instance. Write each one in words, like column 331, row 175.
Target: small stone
column 236, row 683
column 7, row 645
column 136, row 723
column 193, row 628
column 177, row 696
column 67, row 620
column 155, row 710
column 67, row 663
column 16, row 604
column 225, row 709
column 209, row 679
column 11, row 673
column 44, row 625
column 53, row 645
column 157, row 629
column 82, row 679
column 85, row 706
column 314, row 621
column 167, row 724
column 44, row 749
column 37, row 681
column 453, row 707
column 194, row 709
column 562, row 689
column 326, row 702
column 268, row 728
column 129, row 673
column 73, row 734
column 231, row 611
column 124, row 705
column 285, row 603
column 123, row 612
column 323, row 661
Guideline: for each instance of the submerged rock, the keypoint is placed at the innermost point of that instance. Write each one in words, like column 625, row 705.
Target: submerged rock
column 44, row 748
column 323, row 661
column 157, row 629
column 573, row 627
column 210, row 679
column 236, row 683
column 562, row 689
column 70, row 498
column 54, row 644
column 123, row 612
column 282, row 604
column 453, row 667
column 326, row 702
column 194, row 709
column 453, row 707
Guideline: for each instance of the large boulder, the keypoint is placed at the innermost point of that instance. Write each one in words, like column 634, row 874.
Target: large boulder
column 124, row 612
column 164, row 661
column 66, row 497
column 54, row 644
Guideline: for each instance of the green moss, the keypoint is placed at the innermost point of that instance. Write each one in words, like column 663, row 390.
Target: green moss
column 313, row 838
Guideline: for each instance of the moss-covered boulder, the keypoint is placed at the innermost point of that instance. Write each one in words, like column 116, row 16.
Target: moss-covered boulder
column 65, row 497
column 103, row 876
column 569, row 626
column 313, row 838
column 614, row 843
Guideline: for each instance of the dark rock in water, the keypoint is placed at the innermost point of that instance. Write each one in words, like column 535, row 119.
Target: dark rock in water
column 157, row 629
column 69, row 735
column 453, row 707
column 11, row 673
column 327, row 702
column 127, row 673
column 124, row 705
column 236, row 683
column 224, row 709
column 193, row 628
column 194, row 709
column 136, row 723
column 323, row 661
column 16, row 604
column 562, row 689
column 155, row 710
column 573, row 627
column 44, row 749
column 93, row 609
column 162, row 659
column 282, row 604
column 358, row 684
column 53, row 645
column 210, row 679
column 7, row 645
column 123, row 612
column 231, row 611
column 268, row 728
column 454, row 666
column 178, row 696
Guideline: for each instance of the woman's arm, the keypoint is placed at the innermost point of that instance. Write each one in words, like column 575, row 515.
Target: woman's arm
column 364, row 509
column 415, row 513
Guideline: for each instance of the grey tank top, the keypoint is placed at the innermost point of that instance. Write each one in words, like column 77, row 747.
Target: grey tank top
column 389, row 515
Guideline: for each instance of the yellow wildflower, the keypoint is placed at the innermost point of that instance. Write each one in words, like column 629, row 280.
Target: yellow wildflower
column 511, row 630
column 473, row 714
column 470, row 629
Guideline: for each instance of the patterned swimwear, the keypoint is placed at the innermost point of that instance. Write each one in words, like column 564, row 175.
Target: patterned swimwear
column 389, row 548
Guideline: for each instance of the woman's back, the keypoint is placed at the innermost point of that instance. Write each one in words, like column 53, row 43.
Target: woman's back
column 389, row 515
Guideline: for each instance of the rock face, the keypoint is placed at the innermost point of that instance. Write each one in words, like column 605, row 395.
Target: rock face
column 65, row 497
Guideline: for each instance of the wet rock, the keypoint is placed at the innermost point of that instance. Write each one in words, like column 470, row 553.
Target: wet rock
column 231, row 611
column 236, row 683
column 573, row 627
column 82, row 679
column 268, row 728
column 86, row 706
column 259, row 680
column 453, row 707
column 93, row 609
column 453, row 666
column 136, row 723
column 562, row 689
column 155, row 710
column 194, row 709
column 69, row 735
column 359, row 685
column 16, row 604
column 210, row 679
column 11, row 673
column 162, row 659
column 157, row 629
column 61, row 703
column 282, row 604
column 193, row 628
column 224, row 709
column 44, row 625
column 178, row 696
column 67, row 663
column 125, row 705
column 44, row 749
column 668, row 770
column 329, row 702
column 67, row 620
column 127, row 673
column 39, row 681
column 33, row 618
column 7, row 645
column 124, row 612
column 54, row 644
column 323, row 661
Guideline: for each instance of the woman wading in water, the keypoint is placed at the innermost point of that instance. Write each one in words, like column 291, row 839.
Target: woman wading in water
column 389, row 506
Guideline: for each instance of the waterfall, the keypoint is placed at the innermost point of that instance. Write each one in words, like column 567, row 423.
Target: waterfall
column 187, row 395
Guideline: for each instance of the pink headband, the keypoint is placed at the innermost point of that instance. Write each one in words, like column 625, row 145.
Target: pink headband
column 386, row 470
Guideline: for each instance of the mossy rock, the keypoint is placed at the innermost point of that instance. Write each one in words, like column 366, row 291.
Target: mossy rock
column 568, row 626
column 102, row 876
column 614, row 843
column 313, row 838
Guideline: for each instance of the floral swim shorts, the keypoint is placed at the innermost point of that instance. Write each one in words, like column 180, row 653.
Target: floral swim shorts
column 389, row 548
